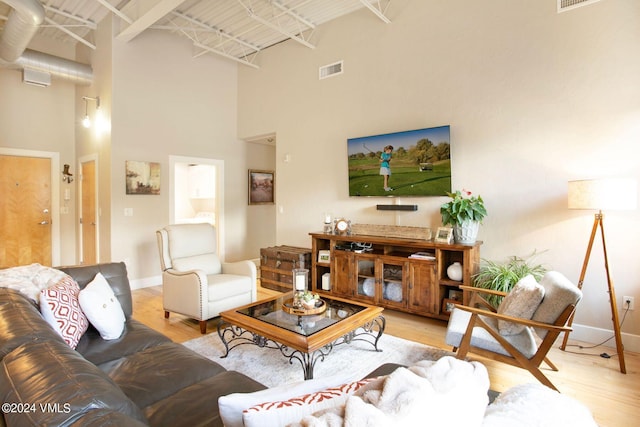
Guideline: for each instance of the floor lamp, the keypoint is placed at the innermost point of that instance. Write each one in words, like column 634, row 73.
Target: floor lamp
column 599, row 194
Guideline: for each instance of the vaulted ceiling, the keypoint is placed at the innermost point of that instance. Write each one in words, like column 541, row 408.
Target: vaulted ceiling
column 236, row 29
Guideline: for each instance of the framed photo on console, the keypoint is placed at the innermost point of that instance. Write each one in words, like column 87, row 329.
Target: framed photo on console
column 444, row 235
column 455, row 295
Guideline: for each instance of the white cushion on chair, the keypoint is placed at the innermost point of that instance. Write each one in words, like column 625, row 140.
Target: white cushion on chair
column 208, row 263
column 458, row 321
column 521, row 302
column 228, row 285
column 193, row 247
column 559, row 293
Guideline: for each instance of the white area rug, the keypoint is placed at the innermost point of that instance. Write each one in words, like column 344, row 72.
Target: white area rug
column 269, row 367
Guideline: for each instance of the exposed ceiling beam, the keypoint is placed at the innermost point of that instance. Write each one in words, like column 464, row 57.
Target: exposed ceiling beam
column 379, row 12
column 115, row 11
column 217, row 31
column 69, row 32
column 85, row 22
column 226, row 55
column 150, row 17
column 192, row 34
column 276, row 27
column 293, row 14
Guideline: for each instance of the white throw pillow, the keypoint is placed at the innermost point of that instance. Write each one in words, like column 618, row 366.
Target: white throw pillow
column 521, row 302
column 102, row 308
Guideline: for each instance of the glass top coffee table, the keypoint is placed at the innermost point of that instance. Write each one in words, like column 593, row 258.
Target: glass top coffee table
column 306, row 338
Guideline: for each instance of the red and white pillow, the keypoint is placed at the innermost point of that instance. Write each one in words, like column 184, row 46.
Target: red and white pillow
column 60, row 308
column 288, row 411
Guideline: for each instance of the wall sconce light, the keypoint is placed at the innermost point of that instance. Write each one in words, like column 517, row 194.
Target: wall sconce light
column 86, row 122
column 67, row 176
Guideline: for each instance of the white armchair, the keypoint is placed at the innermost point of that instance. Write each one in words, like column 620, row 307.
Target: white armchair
column 194, row 281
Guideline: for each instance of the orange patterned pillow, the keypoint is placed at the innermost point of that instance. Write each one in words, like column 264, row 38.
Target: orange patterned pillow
column 288, row 411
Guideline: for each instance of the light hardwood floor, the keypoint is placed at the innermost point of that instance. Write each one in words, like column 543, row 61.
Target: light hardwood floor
column 613, row 397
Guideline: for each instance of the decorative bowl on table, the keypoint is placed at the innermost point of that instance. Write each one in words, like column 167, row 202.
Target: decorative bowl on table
column 304, row 303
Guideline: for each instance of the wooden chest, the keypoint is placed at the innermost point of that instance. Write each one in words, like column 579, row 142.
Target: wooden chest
column 277, row 263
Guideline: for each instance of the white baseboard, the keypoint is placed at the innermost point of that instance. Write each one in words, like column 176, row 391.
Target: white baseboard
column 145, row 282
column 597, row 335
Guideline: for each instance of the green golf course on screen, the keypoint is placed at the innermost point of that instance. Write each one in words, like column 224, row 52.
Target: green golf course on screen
column 416, row 163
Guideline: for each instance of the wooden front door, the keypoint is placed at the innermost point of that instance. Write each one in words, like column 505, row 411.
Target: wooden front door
column 25, row 211
column 88, row 219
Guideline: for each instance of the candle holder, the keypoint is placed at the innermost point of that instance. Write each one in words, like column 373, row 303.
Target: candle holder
column 300, row 279
column 328, row 224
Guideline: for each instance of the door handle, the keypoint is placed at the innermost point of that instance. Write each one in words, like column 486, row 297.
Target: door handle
column 44, row 222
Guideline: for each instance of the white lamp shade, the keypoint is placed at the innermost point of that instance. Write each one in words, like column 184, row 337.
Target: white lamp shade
column 603, row 194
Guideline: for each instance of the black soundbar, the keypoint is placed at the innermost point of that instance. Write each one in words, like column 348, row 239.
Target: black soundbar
column 397, row 207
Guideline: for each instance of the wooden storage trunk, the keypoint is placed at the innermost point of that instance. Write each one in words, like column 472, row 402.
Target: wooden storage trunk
column 277, row 263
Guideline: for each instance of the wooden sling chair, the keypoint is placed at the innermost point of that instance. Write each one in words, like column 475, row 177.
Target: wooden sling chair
column 523, row 328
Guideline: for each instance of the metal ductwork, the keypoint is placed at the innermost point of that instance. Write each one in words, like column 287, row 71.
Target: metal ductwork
column 23, row 22
column 58, row 67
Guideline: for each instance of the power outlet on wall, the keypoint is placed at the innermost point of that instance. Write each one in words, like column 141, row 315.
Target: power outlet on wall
column 631, row 301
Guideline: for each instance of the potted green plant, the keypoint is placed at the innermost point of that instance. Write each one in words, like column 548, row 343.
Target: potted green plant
column 464, row 212
column 502, row 276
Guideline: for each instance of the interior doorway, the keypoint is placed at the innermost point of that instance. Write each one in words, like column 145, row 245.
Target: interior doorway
column 29, row 217
column 88, row 214
column 197, row 193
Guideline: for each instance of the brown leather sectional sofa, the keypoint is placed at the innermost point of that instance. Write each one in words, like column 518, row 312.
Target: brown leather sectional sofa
column 141, row 378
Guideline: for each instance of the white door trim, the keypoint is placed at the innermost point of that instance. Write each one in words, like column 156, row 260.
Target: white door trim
column 219, row 164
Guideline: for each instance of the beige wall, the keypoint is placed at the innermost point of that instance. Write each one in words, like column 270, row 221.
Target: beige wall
column 165, row 103
column 42, row 119
column 534, row 99
column 160, row 102
column 94, row 142
column 261, row 219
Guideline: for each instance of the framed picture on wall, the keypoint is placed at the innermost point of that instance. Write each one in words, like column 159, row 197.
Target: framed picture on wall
column 261, row 187
column 142, row 177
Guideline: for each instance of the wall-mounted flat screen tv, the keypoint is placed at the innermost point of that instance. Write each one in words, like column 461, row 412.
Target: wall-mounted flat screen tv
column 419, row 164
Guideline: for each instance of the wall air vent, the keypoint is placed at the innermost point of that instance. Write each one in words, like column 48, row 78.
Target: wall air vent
column 36, row 78
column 331, row 70
column 566, row 5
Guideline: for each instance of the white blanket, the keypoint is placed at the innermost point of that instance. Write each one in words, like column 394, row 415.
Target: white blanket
column 30, row 279
column 435, row 393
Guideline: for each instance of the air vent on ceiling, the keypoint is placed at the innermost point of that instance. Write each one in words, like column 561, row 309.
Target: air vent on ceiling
column 565, row 5
column 36, row 78
column 331, row 70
